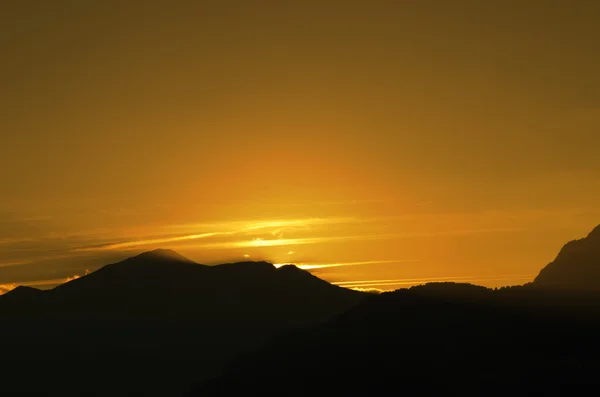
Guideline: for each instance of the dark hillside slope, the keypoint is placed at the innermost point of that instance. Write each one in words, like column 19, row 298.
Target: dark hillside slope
column 437, row 339
column 155, row 322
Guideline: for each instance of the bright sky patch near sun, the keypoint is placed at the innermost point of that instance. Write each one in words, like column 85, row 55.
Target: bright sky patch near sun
column 312, row 266
column 460, row 136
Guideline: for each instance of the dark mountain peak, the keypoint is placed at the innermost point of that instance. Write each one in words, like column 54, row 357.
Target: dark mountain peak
column 24, row 291
column 152, row 311
column 159, row 259
column 161, row 254
column 22, row 294
column 247, row 267
column 577, row 266
column 153, row 269
column 293, row 271
column 288, row 267
column 290, row 270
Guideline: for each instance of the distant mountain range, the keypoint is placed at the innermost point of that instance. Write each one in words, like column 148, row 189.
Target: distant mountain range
column 160, row 324
column 444, row 339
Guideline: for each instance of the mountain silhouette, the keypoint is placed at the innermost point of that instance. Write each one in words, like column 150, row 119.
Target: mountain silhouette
column 160, row 324
column 157, row 322
column 21, row 295
column 442, row 339
column 430, row 340
column 577, row 266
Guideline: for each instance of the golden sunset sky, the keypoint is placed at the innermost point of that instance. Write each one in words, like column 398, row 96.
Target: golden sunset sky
column 398, row 140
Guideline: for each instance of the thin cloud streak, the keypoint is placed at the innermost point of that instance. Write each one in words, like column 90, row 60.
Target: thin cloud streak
column 8, row 241
column 257, row 225
column 391, row 282
column 51, row 281
column 4, row 288
column 135, row 244
column 275, row 227
column 430, row 278
column 235, row 228
column 39, row 218
column 13, row 263
column 259, row 242
column 326, row 265
column 349, row 202
column 208, row 230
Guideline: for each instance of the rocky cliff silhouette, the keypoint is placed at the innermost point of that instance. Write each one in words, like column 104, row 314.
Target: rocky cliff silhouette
column 154, row 323
column 577, row 266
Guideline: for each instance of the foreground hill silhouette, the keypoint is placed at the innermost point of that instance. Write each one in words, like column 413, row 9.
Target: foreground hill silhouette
column 424, row 341
column 443, row 339
column 153, row 324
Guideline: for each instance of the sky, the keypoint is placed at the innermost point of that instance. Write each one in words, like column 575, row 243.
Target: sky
column 402, row 142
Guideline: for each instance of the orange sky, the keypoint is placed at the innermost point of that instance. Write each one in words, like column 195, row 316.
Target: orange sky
column 411, row 141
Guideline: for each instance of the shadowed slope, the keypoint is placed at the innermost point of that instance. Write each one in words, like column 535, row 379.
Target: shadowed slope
column 158, row 320
column 431, row 340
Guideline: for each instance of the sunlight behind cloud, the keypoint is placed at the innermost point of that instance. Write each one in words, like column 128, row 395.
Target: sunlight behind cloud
column 259, row 234
column 40, row 283
column 231, row 228
column 4, row 288
column 244, row 226
column 369, row 236
column 311, row 266
column 260, row 242
column 369, row 290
